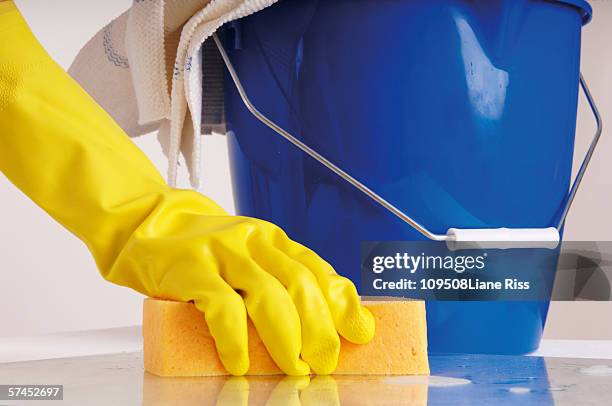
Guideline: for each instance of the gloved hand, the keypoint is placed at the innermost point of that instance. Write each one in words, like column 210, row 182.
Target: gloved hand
column 61, row 149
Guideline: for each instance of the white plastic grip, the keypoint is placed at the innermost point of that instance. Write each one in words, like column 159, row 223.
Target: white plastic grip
column 502, row 238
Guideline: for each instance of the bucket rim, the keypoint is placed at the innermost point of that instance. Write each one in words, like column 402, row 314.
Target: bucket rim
column 586, row 11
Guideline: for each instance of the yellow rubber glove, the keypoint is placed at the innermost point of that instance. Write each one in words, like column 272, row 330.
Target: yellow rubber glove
column 61, row 149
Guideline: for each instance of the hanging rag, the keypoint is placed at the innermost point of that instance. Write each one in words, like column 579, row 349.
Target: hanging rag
column 152, row 68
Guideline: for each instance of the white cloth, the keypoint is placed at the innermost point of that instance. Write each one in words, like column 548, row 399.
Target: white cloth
column 145, row 70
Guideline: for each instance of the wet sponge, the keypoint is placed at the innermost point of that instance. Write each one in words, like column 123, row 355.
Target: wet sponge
column 177, row 343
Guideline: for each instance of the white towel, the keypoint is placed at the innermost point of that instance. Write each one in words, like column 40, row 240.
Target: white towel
column 145, row 70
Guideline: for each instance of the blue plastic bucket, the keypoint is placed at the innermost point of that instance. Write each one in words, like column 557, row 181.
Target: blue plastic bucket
column 461, row 113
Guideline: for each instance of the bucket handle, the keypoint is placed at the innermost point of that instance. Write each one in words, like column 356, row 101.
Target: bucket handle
column 495, row 238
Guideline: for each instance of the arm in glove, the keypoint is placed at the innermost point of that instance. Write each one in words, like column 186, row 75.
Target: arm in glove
column 61, row 149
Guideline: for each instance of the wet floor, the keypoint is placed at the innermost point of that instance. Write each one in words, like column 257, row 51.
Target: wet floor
column 456, row 379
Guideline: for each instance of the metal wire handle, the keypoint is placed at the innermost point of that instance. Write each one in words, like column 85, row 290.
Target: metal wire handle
column 369, row 192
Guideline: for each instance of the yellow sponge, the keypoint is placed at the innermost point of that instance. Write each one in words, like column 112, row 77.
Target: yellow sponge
column 177, row 343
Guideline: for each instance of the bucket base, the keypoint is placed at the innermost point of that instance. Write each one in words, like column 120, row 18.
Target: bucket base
column 486, row 327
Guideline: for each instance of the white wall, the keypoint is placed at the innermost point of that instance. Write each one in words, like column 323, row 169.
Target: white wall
column 48, row 281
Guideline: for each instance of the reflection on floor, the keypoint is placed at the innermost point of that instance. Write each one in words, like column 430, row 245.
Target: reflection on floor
column 457, row 379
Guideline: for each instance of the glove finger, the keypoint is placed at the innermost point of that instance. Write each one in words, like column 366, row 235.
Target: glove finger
column 270, row 308
column 226, row 318
column 353, row 321
column 320, row 341
column 223, row 310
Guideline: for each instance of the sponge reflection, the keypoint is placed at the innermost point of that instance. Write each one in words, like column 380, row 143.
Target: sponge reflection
column 280, row 390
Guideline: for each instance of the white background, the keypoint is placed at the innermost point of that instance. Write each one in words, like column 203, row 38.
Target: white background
column 49, row 283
